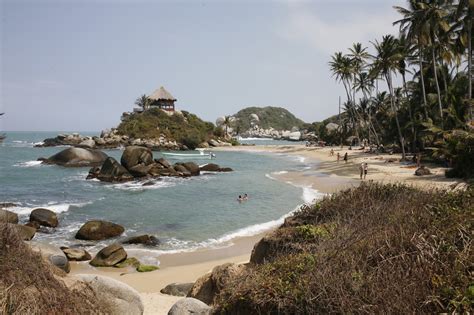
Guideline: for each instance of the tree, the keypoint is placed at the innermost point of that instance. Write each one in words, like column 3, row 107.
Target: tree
column 385, row 62
column 143, row 102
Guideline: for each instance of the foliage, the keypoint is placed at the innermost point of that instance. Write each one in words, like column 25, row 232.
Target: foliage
column 276, row 117
column 375, row 249
column 184, row 127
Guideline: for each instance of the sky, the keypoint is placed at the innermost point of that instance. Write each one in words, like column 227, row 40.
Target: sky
column 77, row 65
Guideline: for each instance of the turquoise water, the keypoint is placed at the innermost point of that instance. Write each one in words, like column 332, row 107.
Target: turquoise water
column 184, row 214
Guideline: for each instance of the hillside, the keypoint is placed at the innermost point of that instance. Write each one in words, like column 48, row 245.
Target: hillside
column 358, row 251
column 266, row 117
column 182, row 127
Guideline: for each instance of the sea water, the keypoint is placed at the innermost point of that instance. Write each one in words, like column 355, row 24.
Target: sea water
column 184, row 213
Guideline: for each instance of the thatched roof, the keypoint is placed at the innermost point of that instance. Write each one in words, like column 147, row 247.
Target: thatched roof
column 161, row 94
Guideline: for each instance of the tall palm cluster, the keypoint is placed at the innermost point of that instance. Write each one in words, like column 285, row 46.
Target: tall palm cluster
column 426, row 72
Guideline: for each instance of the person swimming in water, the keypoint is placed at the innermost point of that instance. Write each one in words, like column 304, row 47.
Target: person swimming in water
column 246, row 197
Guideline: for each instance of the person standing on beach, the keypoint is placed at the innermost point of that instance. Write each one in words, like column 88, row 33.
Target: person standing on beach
column 365, row 168
column 361, row 169
column 346, row 157
column 338, row 157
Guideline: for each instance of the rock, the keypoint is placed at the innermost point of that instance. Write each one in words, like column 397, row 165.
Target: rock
column 208, row 286
column 168, row 172
column 52, row 254
column 177, row 289
column 225, row 169
column 88, row 144
column 182, row 171
column 254, row 118
column 147, row 268
column 422, row 170
column 117, row 297
column 7, row 204
column 148, row 240
column 211, row 167
column 213, row 143
column 260, row 251
column 34, row 225
column 131, row 261
column 163, row 163
column 220, row 121
column 112, row 171
column 8, row 217
column 294, row 136
column 93, row 172
column 189, row 306
column 44, row 217
column 203, row 145
column 134, row 155
column 109, row 256
column 76, row 254
column 332, row 127
column 140, row 170
column 77, row 157
column 192, row 167
column 99, row 230
column 26, row 233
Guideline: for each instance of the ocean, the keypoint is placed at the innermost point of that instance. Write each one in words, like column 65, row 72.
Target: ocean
column 185, row 214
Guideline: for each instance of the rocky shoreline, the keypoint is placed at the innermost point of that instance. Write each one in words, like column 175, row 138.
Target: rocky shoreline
column 111, row 139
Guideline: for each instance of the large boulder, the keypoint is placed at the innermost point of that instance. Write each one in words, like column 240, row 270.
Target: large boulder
column 134, row 155
column 168, row 172
column 148, row 240
column 52, row 254
column 99, row 230
column 141, row 170
column 208, row 286
column 77, row 157
column 163, row 162
column 192, row 167
column 26, row 233
column 181, row 170
column 109, row 256
column 112, row 171
column 177, row 289
column 422, row 170
column 117, row 297
column 87, row 143
column 261, row 250
column 44, row 217
column 189, row 306
column 76, row 254
column 8, row 217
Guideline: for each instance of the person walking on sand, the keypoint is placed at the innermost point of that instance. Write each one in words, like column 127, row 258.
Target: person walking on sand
column 331, row 153
column 346, row 157
column 338, row 157
column 363, row 168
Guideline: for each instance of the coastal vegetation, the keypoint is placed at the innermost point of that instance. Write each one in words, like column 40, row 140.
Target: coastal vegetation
column 183, row 127
column 370, row 250
column 415, row 89
column 267, row 117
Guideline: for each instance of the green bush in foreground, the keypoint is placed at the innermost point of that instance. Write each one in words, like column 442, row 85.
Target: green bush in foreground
column 374, row 249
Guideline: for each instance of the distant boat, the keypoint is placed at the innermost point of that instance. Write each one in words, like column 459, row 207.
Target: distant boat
column 191, row 156
column 2, row 136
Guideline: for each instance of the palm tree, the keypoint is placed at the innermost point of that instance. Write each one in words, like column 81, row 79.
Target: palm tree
column 385, row 62
column 143, row 102
column 358, row 56
column 413, row 26
column 341, row 68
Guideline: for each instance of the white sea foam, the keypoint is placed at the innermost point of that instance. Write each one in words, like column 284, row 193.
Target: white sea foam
column 138, row 186
column 28, row 164
column 53, row 206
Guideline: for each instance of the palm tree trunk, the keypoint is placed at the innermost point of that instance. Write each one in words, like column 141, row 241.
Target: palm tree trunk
column 402, row 142
column 410, row 114
column 470, row 55
column 425, row 103
column 438, row 91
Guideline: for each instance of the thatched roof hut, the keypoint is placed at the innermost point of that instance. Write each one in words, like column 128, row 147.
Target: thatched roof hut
column 162, row 99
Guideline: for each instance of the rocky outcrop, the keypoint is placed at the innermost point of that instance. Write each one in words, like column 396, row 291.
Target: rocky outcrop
column 177, row 289
column 76, row 157
column 181, row 170
column 52, row 254
column 116, row 297
column 26, row 233
column 99, row 230
column 147, row 240
column 8, row 217
column 44, row 217
column 109, row 256
column 192, row 167
column 211, row 167
column 135, row 155
column 261, row 251
column 112, row 171
column 189, row 306
column 76, row 254
column 208, row 286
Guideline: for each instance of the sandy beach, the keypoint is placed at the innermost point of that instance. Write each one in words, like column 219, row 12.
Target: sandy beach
column 327, row 176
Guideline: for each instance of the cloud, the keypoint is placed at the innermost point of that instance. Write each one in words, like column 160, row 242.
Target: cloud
column 328, row 34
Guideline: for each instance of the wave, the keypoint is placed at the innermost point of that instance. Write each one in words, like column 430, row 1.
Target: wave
column 53, row 206
column 28, row 164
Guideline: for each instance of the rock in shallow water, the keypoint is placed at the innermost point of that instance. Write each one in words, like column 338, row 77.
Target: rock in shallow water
column 148, row 240
column 99, row 230
column 44, row 217
column 135, row 155
column 8, row 216
column 112, row 171
column 77, row 157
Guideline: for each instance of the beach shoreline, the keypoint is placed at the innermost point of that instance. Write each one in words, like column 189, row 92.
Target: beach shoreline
column 325, row 175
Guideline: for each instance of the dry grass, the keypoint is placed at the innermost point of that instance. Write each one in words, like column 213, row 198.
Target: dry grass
column 28, row 284
column 369, row 250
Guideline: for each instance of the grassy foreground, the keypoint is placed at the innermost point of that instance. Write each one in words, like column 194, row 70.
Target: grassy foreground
column 370, row 250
